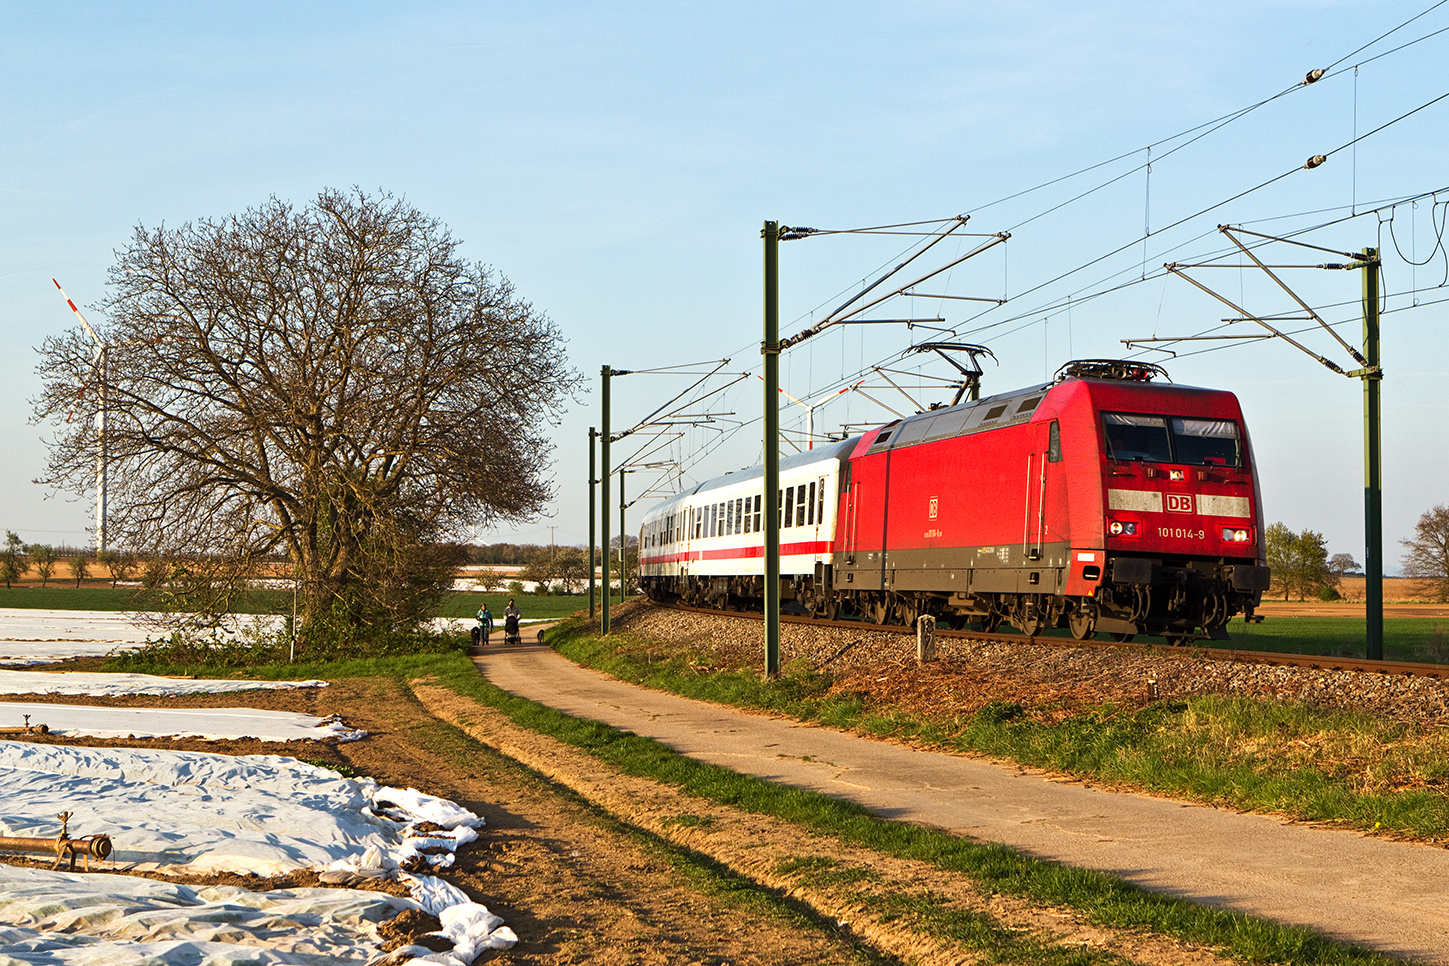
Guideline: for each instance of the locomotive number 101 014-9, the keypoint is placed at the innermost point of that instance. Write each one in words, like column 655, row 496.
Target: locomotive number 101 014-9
column 1184, row 533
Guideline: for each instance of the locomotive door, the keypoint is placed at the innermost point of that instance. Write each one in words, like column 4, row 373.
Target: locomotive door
column 1045, row 500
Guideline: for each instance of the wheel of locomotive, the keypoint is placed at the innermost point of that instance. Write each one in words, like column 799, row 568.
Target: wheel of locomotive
column 1122, row 638
column 878, row 609
column 1181, row 639
column 907, row 610
column 1027, row 616
column 1083, row 623
column 830, row 607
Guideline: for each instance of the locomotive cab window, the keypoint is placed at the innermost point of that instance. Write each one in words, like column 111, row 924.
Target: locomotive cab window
column 1131, row 436
column 1171, row 439
column 1206, row 442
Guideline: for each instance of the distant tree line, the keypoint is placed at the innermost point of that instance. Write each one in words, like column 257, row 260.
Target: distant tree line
column 552, row 569
column 1302, row 565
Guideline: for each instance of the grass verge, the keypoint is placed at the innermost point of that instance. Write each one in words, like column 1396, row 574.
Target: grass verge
column 1311, row 764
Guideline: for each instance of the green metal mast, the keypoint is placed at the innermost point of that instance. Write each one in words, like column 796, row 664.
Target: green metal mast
column 771, row 351
column 605, row 373
column 1373, row 503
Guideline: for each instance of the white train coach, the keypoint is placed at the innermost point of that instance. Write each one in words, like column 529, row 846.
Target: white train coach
column 706, row 546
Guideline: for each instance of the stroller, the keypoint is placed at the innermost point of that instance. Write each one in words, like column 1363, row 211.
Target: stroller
column 510, row 630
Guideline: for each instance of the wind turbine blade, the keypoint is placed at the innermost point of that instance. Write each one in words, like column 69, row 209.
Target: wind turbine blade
column 78, row 313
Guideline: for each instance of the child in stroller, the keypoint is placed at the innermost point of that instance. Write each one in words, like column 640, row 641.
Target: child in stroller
column 511, row 614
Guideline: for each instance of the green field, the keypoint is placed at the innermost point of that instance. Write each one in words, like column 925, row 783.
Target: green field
column 1424, row 639
column 280, row 601
column 123, row 598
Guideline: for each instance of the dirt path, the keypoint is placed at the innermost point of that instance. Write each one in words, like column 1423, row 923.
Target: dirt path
column 862, row 891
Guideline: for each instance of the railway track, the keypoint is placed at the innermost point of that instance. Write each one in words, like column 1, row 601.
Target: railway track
column 1314, row 661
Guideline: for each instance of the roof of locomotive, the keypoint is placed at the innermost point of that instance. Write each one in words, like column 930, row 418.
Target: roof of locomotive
column 1009, row 408
column 992, row 412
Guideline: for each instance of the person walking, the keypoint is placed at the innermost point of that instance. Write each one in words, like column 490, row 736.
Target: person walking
column 511, row 614
column 485, row 625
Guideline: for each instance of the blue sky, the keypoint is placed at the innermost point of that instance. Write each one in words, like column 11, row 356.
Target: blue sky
column 616, row 161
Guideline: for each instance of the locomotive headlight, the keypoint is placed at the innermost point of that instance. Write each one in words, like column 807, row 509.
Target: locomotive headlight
column 1122, row 528
column 1237, row 535
column 1176, row 474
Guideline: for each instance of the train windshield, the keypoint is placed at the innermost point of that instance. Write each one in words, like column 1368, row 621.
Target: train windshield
column 1172, row 439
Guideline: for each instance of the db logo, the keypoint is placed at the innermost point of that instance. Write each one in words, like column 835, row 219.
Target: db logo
column 1179, row 502
column 935, row 506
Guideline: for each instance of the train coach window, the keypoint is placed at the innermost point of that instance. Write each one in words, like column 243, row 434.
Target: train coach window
column 1131, row 436
column 789, row 507
column 803, row 502
column 759, row 499
column 1206, row 441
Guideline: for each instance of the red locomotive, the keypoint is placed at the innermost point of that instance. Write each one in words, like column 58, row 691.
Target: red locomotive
column 1100, row 502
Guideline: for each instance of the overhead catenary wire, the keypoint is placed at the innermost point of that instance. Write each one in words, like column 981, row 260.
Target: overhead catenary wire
column 1093, row 291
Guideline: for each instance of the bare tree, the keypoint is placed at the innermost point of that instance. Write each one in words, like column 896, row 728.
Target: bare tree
column 1427, row 554
column 1340, row 564
column 334, row 382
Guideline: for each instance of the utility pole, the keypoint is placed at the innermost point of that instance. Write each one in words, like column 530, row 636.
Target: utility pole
column 593, row 479
column 1373, row 505
column 771, row 351
column 605, row 373
column 1371, row 375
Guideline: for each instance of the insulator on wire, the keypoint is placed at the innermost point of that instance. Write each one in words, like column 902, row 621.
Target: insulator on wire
column 1314, row 161
column 1314, row 75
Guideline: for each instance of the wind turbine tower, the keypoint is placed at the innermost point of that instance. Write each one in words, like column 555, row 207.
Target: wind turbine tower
column 101, row 461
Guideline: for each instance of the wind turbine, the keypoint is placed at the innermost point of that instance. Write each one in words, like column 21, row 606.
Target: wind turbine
column 101, row 461
column 811, row 407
